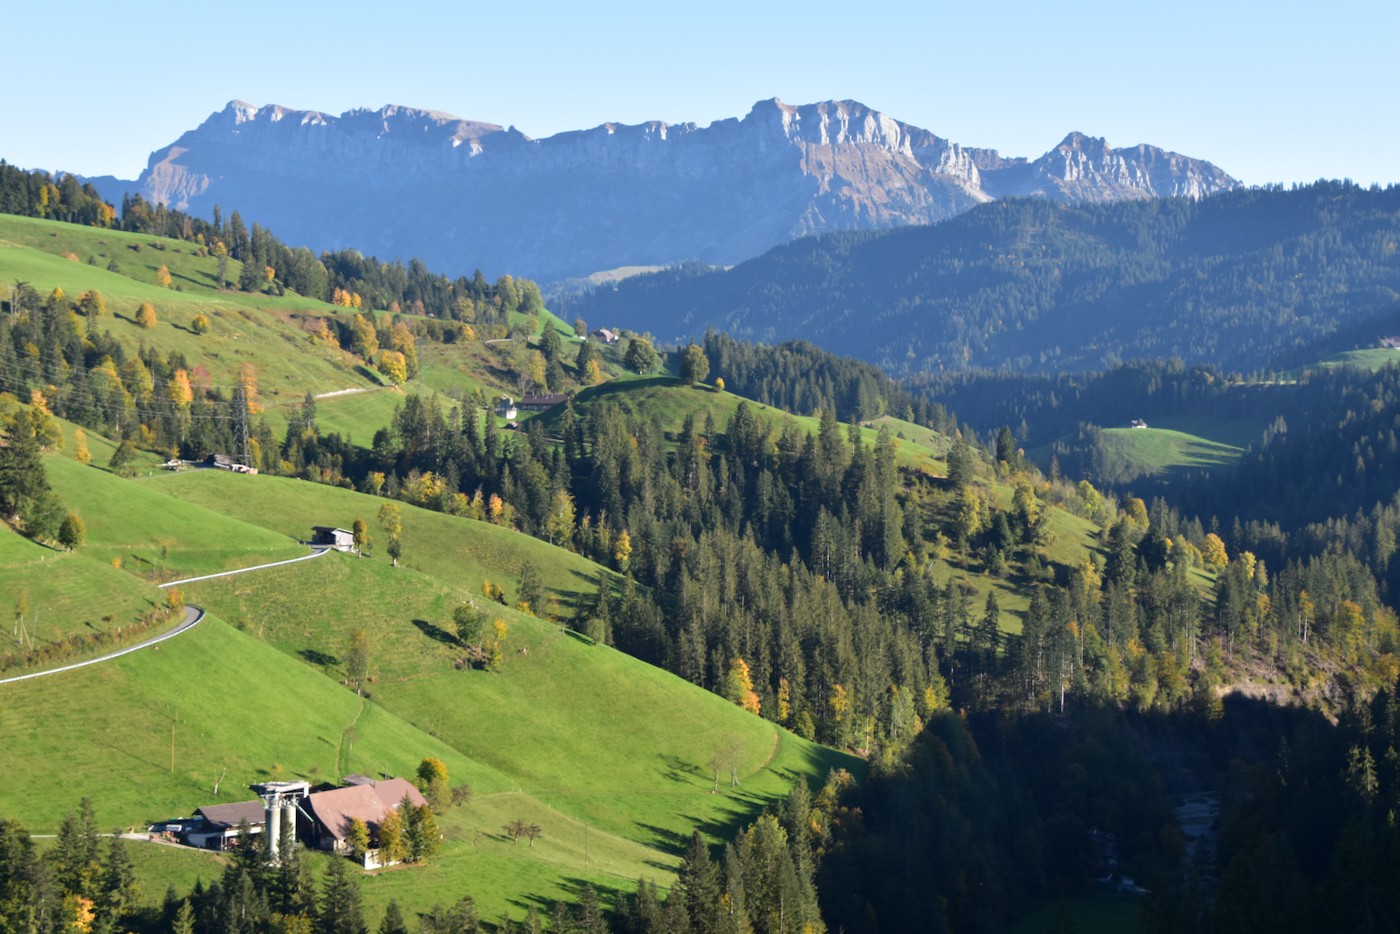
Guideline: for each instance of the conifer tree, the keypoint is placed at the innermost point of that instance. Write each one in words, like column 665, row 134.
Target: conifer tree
column 697, row 885
column 340, row 911
column 393, row 922
column 75, row 855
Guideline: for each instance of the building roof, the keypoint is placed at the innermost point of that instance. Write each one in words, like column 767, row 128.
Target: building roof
column 231, row 815
column 335, row 809
column 556, row 398
column 330, row 528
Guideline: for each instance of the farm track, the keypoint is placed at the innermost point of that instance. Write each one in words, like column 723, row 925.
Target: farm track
column 192, row 617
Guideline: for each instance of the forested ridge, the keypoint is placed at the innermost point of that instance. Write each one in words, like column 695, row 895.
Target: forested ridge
column 1246, row 280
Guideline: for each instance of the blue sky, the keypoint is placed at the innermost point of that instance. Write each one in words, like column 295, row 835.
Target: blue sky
column 1281, row 92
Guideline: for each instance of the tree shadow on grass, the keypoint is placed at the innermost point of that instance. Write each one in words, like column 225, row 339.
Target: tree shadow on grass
column 608, row 892
column 436, row 633
column 677, row 769
column 665, row 839
column 317, row 657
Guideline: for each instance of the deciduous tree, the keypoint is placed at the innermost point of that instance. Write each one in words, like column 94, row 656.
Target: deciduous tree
column 390, row 837
column 358, row 839
column 81, row 454
column 738, row 686
column 469, row 622
column 391, row 521
column 393, row 365
column 72, row 533
column 640, row 356
column 432, row 781
column 221, row 264
column 420, row 830
column 560, row 527
column 695, row 366
column 1213, row 550
column 357, row 660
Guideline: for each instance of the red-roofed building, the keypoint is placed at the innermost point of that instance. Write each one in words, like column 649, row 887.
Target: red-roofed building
column 331, row 812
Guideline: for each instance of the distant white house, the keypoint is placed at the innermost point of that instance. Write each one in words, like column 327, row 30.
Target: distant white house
column 1138, row 423
column 339, row 539
column 505, row 407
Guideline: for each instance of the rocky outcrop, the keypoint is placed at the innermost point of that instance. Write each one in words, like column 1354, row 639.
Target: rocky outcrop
column 462, row 194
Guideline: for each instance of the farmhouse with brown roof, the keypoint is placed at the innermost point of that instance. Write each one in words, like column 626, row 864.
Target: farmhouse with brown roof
column 331, row 812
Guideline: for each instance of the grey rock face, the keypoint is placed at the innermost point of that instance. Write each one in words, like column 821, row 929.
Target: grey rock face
column 461, row 194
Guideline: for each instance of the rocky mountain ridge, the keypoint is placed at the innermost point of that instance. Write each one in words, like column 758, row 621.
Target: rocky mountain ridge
column 464, row 194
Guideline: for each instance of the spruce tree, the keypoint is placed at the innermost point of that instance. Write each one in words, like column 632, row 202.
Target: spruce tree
column 75, row 856
column 183, row 922
column 340, row 902
column 698, row 885
column 393, row 922
column 117, row 887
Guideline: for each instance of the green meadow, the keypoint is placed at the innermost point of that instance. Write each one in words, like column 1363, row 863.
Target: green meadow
column 1155, row 450
column 610, row 756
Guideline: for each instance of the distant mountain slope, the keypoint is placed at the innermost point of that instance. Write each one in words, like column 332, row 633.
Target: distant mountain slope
column 1242, row 280
column 404, row 182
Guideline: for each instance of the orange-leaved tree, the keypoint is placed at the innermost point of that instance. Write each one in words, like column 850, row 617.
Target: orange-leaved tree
column 738, row 686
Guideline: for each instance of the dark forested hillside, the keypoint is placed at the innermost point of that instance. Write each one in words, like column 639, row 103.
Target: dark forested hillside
column 1245, row 280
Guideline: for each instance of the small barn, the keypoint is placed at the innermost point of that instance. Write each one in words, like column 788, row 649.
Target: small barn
column 330, row 537
column 215, row 827
column 605, row 336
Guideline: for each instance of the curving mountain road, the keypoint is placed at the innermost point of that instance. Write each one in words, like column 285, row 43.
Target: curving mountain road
column 193, row 615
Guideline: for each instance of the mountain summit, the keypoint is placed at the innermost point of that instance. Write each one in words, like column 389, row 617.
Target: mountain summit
column 462, row 194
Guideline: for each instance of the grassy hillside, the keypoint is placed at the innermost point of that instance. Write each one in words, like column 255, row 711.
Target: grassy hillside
column 459, row 553
column 155, row 537
column 1156, row 450
column 1369, row 358
column 607, row 754
column 266, row 331
column 49, row 595
column 244, row 328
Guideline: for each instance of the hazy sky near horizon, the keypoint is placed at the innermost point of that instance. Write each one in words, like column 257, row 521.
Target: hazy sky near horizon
column 1291, row 92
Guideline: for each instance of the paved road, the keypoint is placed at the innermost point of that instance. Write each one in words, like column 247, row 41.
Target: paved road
column 316, row 552
column 193, row 615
